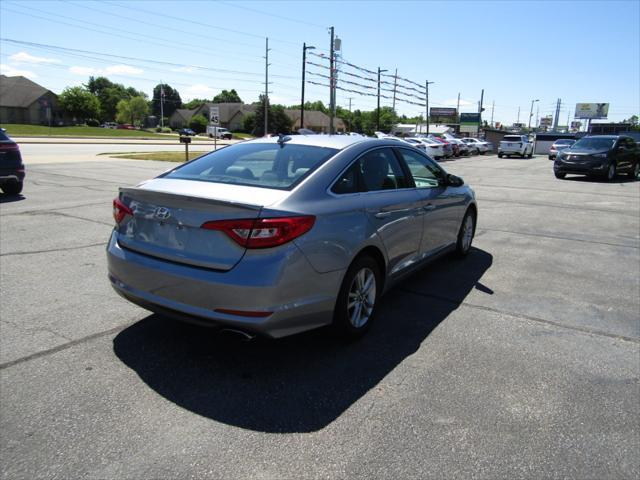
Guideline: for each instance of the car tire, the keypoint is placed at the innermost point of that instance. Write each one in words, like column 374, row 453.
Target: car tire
column 356, row 305
column 530, row 154
column 499, row 155
column 560, row 175
column 466, row 233
column 635, row 171
column 611, row 171
column 12, row 188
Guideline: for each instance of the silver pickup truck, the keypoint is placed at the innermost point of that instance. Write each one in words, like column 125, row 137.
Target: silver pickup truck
column 515, row 145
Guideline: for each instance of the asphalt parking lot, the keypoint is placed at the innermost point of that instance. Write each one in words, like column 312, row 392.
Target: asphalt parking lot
column 520, row 361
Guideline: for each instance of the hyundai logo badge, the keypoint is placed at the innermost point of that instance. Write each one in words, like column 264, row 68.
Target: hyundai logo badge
column 162, row 213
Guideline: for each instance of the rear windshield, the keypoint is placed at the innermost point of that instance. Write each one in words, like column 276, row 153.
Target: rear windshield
column 595, row 143
column 512, row 138
column 268, row 165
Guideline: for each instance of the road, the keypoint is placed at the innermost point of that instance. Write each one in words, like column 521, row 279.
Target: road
column 521, row 361
column 39, row 153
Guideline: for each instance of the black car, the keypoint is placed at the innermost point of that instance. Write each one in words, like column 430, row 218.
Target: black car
column 601, row 155
column 11, row 166
column 186, row 131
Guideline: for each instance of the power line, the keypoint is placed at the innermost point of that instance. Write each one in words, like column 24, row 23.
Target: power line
column 282, row 17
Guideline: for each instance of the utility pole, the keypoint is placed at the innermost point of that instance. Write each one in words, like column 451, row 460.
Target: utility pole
column 331, row 82
column 537, row 112
column 531, row 112
column 557, row 117
column 493, row 106
column 350, row 98
column 266, row 88
column 304, row 63
column 378, row 109
column 426, row 87
column 395, row 85
column 458, row 108
column 568, row 114
column 518, row 121
column 480, row 110
column 161, row 104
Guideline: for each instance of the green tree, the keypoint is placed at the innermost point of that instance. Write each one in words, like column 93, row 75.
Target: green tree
column 79, row 102
column 132, row 111
column 195, row 103
column 278, row 121
column 171, row 103
column 227, row 96
column 109, row 94
column 198, row 123
column 249, row 123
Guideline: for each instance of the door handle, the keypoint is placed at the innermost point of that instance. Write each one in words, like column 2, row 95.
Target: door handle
column 382, row 214
column 429, row 207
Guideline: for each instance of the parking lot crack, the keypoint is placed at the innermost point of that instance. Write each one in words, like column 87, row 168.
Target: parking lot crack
column 66, row 249
column 588, row 330
column 559, row 237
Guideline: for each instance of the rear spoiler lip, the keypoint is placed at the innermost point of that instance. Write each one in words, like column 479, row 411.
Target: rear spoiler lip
column 212, row 201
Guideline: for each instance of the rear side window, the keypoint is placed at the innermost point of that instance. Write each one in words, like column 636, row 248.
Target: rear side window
column 512, row 138
column 376, row 170
column 268, row 165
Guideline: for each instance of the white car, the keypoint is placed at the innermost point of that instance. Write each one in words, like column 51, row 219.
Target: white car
column 515, row 145
column 477, row 145
column 432, row 148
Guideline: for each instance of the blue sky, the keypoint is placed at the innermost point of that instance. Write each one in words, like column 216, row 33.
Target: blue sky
column 578, row 51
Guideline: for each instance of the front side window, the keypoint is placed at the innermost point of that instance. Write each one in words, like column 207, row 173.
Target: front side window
column 380, row 170
column 268, row 165
column 425, row 173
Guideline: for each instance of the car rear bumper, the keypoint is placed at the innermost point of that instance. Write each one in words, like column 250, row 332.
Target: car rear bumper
column 283, row 283
column 11, row 175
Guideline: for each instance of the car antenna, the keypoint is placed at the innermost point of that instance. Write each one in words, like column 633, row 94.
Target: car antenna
column 283, row 138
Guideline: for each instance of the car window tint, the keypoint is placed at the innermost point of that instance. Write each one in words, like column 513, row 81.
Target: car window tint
column 425, row 173
column 257, row 164
column 380, row 170
column 348, row 181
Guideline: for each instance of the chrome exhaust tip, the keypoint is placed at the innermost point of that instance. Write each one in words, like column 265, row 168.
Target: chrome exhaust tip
column 244, row 336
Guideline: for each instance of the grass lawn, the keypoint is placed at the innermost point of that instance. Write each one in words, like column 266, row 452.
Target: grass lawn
column 16, row 130
column 161, row 156
column 242, row 136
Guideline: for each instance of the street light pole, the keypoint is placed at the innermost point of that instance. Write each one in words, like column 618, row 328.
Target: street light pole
column 378, row 109
column 426, row 86
column 531, row 113
column 304, row 63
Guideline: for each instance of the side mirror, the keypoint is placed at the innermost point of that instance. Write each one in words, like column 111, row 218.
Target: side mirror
column 454, row 181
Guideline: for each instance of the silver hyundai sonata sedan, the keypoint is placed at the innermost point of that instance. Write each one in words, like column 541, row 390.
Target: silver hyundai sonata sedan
column 280, row 235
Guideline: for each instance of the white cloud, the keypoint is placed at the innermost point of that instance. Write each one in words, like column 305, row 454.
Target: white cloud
column 123, row 70
column 186, row 69
column 10, row 71
column 84, row 71
column 198, row 90
column 454, row 103
column 111, row 70
column 24, row 57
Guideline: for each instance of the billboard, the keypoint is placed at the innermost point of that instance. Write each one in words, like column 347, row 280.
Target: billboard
column 546, row 121
column 469, row 118
column 442, row 115
column 591, row 110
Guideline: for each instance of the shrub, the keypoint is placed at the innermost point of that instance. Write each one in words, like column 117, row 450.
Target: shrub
column 198, row 123
column 92, row 122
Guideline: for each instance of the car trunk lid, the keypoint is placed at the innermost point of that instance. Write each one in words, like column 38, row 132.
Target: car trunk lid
column 168, row 224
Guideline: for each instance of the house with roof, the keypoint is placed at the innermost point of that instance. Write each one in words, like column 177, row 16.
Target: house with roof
column 315, row 120
column 24, row 101
column 231, row 115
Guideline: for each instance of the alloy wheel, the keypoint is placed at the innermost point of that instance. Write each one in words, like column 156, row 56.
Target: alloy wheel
column 362, row 297
column 467, row 233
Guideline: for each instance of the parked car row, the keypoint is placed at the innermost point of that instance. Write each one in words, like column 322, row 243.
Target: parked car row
column 445, row 146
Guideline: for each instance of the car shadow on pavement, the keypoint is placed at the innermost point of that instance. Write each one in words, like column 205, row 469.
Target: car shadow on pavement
column 5, row 198
column 585, row 178
column 300, row 383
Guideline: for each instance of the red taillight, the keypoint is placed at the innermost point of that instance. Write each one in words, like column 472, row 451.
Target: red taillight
column 263, row 232
column 12, row 147
column 120, row 210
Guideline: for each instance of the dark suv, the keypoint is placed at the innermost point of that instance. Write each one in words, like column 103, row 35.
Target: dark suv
column 601, row 155
column 11, row 166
